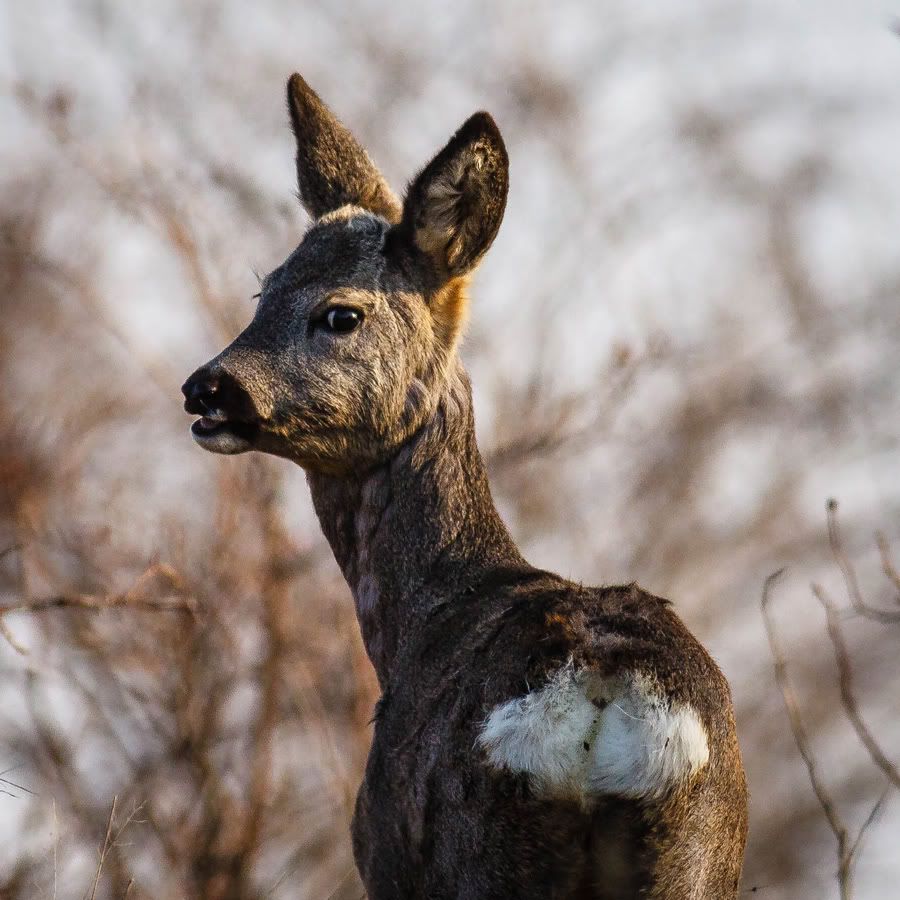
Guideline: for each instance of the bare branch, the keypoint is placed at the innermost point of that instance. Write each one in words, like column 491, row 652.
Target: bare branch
column 887, row 564
column 10, row 638
column 873, row 815
column 105, row 848
column 847, row 850
column 93, row 602
column 55, row 851
column 801, row 739
column 849, row 572
column 845, row 681
column 132, row 598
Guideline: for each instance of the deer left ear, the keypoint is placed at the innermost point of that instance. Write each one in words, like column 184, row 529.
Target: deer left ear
column 454, row 207
column 332, row 168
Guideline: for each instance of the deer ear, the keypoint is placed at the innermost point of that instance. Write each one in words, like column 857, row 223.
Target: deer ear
column 332, row 168
column 454, row 207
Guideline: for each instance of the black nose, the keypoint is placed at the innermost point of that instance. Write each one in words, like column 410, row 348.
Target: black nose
column 200, row 392
column 213, row 389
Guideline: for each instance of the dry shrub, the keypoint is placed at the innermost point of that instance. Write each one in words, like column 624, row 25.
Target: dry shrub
column 185, row 699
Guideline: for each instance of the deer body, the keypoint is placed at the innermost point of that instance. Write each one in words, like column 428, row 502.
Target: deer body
column 534, row 738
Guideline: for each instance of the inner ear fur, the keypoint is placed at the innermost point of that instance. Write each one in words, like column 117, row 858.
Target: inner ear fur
column 333, row 169
column 454, row 207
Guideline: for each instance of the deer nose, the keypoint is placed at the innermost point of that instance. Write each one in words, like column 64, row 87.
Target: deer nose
column 200, row 392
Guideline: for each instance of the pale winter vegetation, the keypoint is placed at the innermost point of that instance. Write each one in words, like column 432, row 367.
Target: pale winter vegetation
column 683, row 342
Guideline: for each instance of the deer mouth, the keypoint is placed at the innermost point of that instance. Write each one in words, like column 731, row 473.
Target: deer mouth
column 216, row 432
column 228, row 421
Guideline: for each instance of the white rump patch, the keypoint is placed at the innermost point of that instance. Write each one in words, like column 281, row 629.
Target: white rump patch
column 584, row 735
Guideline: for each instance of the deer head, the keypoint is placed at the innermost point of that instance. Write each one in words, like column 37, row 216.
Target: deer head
column 356, row 332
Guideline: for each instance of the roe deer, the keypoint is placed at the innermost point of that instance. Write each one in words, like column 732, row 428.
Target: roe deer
column 535, row 738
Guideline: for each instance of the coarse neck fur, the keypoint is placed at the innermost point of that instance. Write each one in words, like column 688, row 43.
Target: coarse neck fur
column 417, row 530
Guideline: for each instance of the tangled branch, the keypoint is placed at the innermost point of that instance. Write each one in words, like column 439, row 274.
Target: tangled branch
column 847, row 847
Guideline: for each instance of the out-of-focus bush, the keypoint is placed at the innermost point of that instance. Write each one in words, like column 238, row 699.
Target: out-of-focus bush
column 683, row 341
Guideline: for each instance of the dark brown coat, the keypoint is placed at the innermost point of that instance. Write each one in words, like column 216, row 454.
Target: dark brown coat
column 535, row 737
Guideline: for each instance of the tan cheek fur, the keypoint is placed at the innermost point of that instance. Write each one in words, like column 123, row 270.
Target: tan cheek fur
column 450, row 311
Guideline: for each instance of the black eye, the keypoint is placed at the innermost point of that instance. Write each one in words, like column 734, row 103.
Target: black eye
column 342, row 319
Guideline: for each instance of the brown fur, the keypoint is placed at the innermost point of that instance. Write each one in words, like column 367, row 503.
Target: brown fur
column 455, row 622
column 332, row 169
column 450, row 309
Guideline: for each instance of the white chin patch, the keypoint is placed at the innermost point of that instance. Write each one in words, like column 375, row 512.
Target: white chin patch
column 583, row 735
column 221, row 441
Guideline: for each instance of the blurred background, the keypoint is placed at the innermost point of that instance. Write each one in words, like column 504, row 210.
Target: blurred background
column 684, row 341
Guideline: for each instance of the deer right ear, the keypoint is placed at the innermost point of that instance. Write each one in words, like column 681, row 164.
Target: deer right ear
column 453, row 209
column 332, row 168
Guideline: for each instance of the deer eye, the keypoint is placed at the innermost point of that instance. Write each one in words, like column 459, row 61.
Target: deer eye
column 342, row 319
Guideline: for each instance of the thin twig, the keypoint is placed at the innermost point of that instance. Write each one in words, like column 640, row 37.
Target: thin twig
column 127, row 822
column 93, row 602
column 18, row 787
column 887, row 564
column 845, row 682
column 10, row 638
column 55, row 849
column 131, row 598
column 857, row 601
column 801, row 738
column 105, row 848
column 873, row 815
column 847, row 851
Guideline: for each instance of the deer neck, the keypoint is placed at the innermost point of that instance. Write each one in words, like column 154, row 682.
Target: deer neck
column 418, row 530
